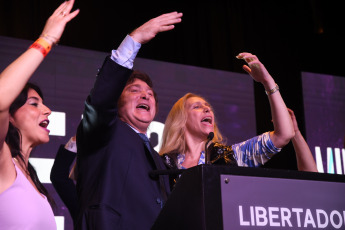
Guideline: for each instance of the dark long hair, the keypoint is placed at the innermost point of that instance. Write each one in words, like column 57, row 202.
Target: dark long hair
column 13, row 139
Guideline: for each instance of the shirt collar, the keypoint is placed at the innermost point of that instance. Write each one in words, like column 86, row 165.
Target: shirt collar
column 135, row 130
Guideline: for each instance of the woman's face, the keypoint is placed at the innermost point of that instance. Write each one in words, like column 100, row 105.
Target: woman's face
column 200, row 117
column 32, row 120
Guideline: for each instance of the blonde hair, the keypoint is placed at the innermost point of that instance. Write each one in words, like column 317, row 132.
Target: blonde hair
column 175, row 127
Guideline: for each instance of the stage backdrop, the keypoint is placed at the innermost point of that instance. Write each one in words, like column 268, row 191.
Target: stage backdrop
column 324, row 109
column 68, row 74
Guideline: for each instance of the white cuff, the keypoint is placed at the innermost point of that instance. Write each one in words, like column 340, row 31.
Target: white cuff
column 126, row 52
column 71, row 145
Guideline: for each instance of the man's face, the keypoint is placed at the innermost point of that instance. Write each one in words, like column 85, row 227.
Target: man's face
column 137, row 105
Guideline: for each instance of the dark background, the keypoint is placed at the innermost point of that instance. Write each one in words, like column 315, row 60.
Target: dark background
column 288, row 37
column 67, row 75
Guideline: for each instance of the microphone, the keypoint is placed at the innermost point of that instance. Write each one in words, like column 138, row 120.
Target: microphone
column 207, row 156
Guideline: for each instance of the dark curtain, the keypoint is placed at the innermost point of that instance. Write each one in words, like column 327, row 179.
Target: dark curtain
column 287, row 36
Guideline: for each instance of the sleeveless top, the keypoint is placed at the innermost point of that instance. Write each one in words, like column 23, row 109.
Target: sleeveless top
column 22, row 207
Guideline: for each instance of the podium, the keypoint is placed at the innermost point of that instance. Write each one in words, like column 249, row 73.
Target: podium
column 211, row 197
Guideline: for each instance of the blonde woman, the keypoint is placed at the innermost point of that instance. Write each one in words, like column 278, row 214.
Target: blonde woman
column 191, row 120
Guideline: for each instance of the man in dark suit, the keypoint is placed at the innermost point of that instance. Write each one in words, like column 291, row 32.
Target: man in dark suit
column 114, row 188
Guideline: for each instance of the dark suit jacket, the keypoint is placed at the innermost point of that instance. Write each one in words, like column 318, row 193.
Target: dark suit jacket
column 63, row 185
column 114, row 188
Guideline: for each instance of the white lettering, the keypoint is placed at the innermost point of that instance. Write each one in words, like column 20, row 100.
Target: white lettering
column 156, row 127
column 282, row 216
column 285, row 216
column 333, row 213
column 298, row 211
column 261, row 216
column 318, row 159
column 57, row 124
column 309, row 219
column 330, row 161
column 338, row 160
column 252, row 216
column 43, row 168
column 343, row 151
column 273, row 216
column 242, row 222
column 318, row 218
column 60, row 222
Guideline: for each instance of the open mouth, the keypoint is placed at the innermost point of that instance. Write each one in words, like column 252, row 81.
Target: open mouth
column 207, row 120
column 143, row 106
column 44, row 123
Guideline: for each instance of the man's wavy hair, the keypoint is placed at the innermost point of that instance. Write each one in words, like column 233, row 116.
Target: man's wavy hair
column 145, row 78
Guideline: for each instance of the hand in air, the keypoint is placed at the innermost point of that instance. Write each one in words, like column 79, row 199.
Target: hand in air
column 150, row 29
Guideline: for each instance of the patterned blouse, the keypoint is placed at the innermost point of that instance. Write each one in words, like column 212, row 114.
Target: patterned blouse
column 250, row 153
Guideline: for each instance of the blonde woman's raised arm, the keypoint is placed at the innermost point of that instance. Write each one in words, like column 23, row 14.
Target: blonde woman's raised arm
column 283, row 129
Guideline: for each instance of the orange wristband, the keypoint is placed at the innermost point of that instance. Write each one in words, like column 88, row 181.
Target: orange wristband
column 42, row 45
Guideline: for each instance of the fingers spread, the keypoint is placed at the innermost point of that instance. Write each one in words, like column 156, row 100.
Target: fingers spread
column 70, row 16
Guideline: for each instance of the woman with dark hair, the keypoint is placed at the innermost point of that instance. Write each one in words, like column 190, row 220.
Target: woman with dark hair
column 191, row 119
column 23, row 126
column 14, row 136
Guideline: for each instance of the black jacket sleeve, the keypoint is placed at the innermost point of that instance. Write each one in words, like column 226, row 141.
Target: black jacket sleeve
column 63, row 185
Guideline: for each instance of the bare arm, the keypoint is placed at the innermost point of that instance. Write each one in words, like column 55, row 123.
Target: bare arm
column 305, row 160
column 15, row 76
column 283, row 129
